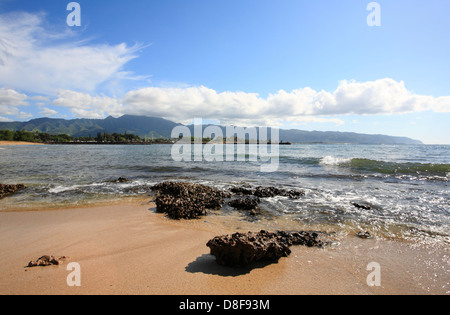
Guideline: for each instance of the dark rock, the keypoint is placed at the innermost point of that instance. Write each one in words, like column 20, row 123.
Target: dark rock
column 122, row 180
column 361, row 206
column 187, row 201
column 6, row 190
column 309, row 239
column 180, row 208
column 46, row 261
column 241, row 250
column 247, row 191
column 294, row 194
column 245, row 204
column 266, row 192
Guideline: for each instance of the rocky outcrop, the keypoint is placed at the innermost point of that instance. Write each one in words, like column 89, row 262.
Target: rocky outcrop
column 266, row 192
column 178, row 208
column 187, row 201
column 6, row 190
column 242, row 250
column 308, row 239
column 242, row 190
column 247, row 204
column 46, row 261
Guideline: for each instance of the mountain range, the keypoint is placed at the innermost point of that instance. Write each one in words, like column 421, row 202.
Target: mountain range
column 153, row 127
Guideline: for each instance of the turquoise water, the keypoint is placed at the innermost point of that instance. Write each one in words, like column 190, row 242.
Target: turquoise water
column 406, row 186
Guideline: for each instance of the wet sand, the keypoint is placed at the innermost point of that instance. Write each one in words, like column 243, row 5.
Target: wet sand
column 130, row 249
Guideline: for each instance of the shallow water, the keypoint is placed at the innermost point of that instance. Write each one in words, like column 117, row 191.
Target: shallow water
column 406, row 186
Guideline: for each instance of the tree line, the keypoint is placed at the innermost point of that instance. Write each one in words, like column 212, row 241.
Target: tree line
column 42, row 137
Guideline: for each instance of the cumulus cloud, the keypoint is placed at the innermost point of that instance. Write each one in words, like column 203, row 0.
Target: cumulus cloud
column 301, row 106
column 10, row 100
column 192, row 102
column 83, row 105
column 47, row 112
column 380, row 97
column 4, row 119
column 33, row 58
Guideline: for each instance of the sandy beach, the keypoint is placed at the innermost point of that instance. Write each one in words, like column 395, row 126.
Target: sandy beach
column 7, row 143
column 130, row 249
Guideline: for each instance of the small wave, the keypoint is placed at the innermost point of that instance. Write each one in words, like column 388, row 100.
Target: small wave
column 400, row 168
column 435, row 171
column 60, row 189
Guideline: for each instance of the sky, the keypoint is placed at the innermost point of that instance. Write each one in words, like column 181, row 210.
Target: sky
column 297, row 64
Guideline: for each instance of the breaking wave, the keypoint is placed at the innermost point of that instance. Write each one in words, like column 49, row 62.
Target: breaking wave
column 392, row 168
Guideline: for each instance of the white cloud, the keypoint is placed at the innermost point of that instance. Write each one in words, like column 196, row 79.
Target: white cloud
column 10, row 100
column 83, row 105
column 47, row 112
column 302, row 106
column 40, row 98
column 380, row 97
column 36, row 59
column 181, row 103
column 4, row 119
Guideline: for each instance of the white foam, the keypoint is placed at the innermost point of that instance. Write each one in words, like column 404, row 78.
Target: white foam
column 60, row 189
column 331, row 160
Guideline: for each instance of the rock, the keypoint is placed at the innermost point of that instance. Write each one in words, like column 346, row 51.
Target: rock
column 46, row 261
column 247, row 191
column 245, row 204
column 6, row 190
column 122, row 180
column 361, row 206
column 309, row 239
column 241, row 250
column 180, row 208
column 294, row 194
column 187, row 201
column 266, row 192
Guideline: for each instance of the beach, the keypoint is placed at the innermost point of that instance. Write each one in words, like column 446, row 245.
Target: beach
column 130, row 249
column 8, row 143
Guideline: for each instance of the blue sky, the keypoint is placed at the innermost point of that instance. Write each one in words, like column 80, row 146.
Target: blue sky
column 313, row 65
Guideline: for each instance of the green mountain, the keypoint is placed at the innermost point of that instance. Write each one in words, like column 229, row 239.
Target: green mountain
column 329, row 137
column 300, row 136
column 137, row 125
column 161, row 128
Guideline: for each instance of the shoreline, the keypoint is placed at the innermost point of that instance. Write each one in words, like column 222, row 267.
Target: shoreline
column 127, row 248
column 131, row 200
column 15, row 143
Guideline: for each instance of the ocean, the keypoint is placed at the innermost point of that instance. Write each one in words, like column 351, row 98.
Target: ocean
column 405, row 186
